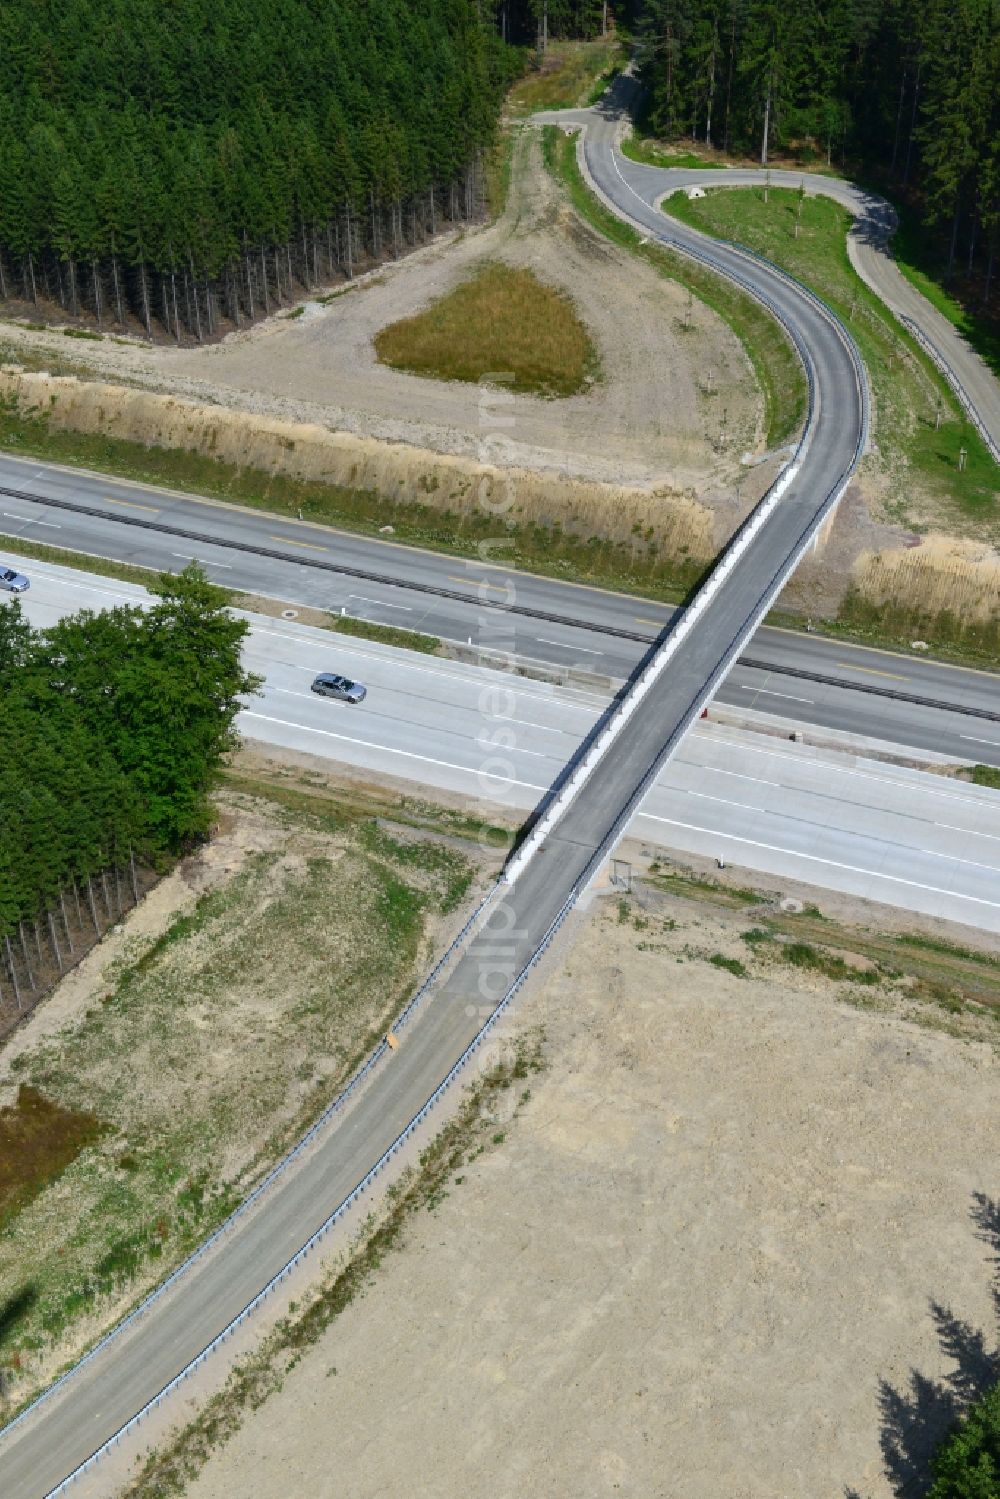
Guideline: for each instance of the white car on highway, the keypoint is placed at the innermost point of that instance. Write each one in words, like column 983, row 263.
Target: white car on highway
column 13, row 582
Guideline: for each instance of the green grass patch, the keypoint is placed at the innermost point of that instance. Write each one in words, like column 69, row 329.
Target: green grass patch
column 984, row 775
column 569, row 74
column 921, row 263
column 83, row 333
column 651, row 154
column 808, row 236
column 366, row 629
column 829, row 965
column 730, row 965
column 102, row 567
column 503, row 325
column 895, row 623
column 780, row 376
column 499, row 170
column 690, row 886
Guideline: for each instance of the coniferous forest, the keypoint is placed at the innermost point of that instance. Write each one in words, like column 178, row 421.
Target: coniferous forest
column 906, row 89
column 114, row 728
column 187, row 162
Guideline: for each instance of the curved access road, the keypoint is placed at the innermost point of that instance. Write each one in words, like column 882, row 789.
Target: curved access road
column 875, row 220
column 576, row 831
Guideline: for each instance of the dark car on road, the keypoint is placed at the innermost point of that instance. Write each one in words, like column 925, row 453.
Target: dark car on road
column 13, row 582
column 328, row 684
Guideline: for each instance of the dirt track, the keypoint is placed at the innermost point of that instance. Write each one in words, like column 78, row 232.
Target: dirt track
column 648, row 422
column 716, row 1227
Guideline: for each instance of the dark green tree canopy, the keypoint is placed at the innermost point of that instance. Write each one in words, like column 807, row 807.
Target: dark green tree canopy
column 115, row 727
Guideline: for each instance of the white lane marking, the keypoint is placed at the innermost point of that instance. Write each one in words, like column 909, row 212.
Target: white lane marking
column 585, row 649
column 190, row 557
column 365, row 744
column 969, row 832
column 931, row 853
column 28, row 520
column 380, row 603
column 973, row 740
column 828, row 765
column 470, row 676
column 766, row 691
column 792, row 853
column 513, row 749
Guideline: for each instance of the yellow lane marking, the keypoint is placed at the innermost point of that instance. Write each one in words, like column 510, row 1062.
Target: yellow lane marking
column 871, row 671
column 131, row 505
column 478, row 582
column 659, row 623
column 288, row 542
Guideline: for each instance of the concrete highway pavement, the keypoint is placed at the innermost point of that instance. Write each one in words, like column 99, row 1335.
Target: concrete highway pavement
column 918, row 841
column 463, row 613
column 834, row 819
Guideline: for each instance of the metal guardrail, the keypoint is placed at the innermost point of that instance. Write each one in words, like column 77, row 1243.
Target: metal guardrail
column 934, row 354
column 735, row 550
column 366, row 575
column 477, row 917
column 328, row 1223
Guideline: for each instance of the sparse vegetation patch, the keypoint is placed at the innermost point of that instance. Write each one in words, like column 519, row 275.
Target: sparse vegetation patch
column 503, row 325
column 201, row 1055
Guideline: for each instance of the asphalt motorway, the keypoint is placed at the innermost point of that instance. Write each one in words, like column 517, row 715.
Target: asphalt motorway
column 919, row 841
column 476, row 605
column 825, row 814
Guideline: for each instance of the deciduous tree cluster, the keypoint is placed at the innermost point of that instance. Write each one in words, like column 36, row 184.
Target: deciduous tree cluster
column 911, row 87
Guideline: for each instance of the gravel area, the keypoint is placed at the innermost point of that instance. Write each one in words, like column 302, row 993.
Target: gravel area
column 702, row 1264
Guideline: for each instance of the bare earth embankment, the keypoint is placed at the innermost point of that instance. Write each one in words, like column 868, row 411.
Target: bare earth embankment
column 648, row 422
column 704, row 1254
column 188, row 1050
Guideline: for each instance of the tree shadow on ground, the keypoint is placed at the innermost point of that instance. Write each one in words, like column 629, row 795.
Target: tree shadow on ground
column 915, row 1419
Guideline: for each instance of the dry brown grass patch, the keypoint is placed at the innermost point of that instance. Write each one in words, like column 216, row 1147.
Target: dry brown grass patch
column 502, row 325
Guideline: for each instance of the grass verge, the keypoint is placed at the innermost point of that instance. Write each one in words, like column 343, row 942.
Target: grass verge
column 503, row 326
column 129, row 572
column 470, row 1134
column 321, row 800
column 569, row 74
column 930, row 980
column 547, row 550
column 202, row 1055
column 651, row 154
column 918, row 259
column 983, row 775
column 808, row 236
column 779, row 374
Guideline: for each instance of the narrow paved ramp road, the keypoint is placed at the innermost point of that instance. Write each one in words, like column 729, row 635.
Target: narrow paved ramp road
column 129, row 1371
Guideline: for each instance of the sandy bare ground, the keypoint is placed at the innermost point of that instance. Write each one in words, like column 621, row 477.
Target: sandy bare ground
column 648, row 422
column 713, row 1232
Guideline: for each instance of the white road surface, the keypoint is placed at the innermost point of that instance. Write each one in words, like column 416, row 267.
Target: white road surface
column 923, row 842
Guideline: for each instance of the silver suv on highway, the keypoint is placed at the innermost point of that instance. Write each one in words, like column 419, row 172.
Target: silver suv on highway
column 328, row 684
column 13, row 582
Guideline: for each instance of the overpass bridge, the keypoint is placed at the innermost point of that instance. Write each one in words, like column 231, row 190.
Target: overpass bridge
column 66, row 1432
